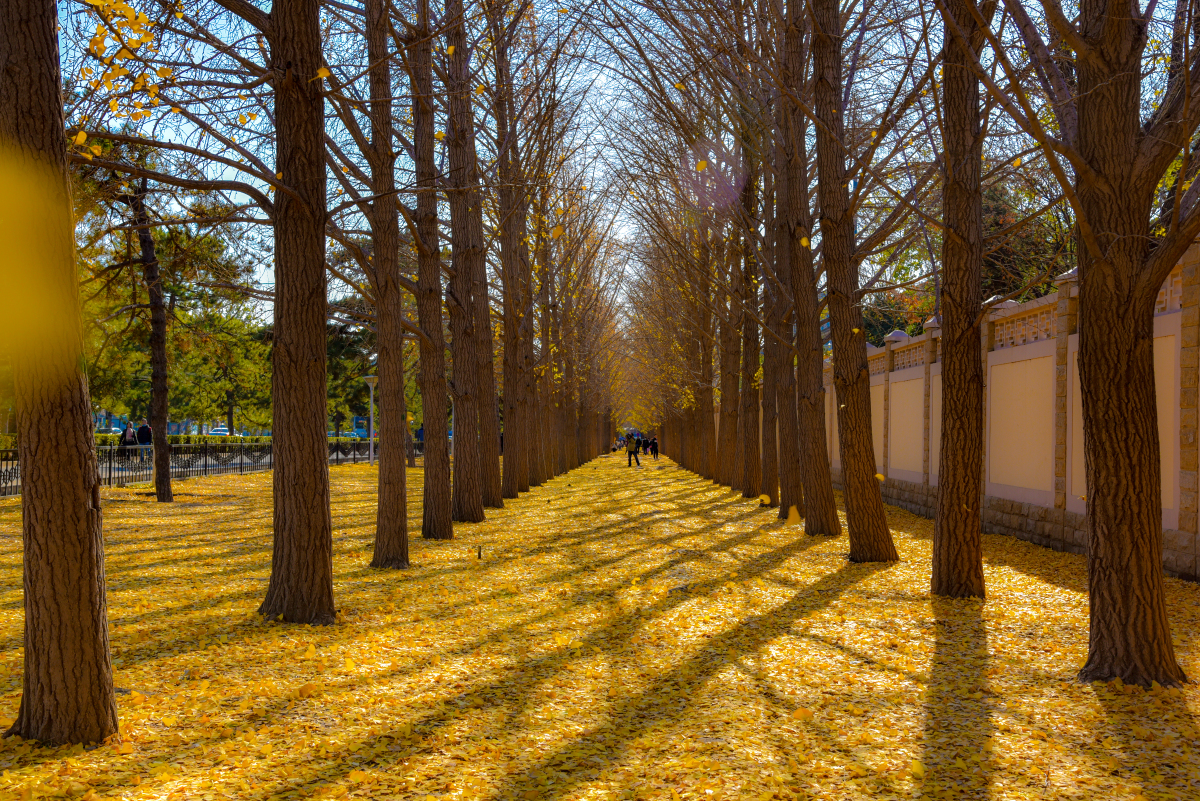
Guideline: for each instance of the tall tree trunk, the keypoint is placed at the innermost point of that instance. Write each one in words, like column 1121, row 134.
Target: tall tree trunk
column 301, row 585
column 67, row 686
column 159, row 388
column 511, row 239
column 527, row 398
column 772, row 357
column 820, row 504
column 705, row 405
column 870, row 540
column 1130, row 633
column 466, row 244
column 436, row 518
column 957, row 540
column 730, row 356
column 391, row 514
column 489, row 410
column 751, row 460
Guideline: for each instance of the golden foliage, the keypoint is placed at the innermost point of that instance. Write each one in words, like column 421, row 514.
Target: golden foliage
column 626, row 634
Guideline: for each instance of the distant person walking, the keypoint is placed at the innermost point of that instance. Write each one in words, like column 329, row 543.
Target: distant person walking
column 631, row 447
column 145, row 437
column 654, row 447
column 128, row 440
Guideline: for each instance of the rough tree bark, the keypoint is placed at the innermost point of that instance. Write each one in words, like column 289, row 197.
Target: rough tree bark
column 67, row 686
column 436, row 518
column 704, row 397
column 730, row 355
column 791, row 492
column 391, row 516
column 772, row 357
column 870, row 539
column 820, row 504
column 301, row 585
column 512, row 242
column 159, row 387
column 1130, row 635
column 957, row 540
column 466, row 244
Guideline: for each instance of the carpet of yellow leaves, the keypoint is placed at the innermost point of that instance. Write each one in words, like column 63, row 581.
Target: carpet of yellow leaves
column 626, row 634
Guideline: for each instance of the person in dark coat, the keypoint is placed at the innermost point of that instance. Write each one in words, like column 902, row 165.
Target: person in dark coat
column 654, row 447
column 145, row 437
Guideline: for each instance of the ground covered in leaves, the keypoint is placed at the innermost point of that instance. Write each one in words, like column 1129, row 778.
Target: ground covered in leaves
column 615, row 634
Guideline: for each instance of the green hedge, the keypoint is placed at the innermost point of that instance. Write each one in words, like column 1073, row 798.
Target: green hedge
column 7, row 441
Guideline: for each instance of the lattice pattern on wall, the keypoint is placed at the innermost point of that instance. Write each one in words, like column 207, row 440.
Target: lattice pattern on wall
column 912, row 356
column 1038, row 326
column 878, row 364
column 1170, row 297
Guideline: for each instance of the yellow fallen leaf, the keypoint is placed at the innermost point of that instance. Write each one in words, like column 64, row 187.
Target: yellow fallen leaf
column 800, row 713
column 917, row 769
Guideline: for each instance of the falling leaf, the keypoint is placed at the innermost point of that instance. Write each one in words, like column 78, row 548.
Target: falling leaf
column 793, row 518
column 556, row 232
column 702, row 164
column 450, row 50
column 879, row 477
column 80, row 138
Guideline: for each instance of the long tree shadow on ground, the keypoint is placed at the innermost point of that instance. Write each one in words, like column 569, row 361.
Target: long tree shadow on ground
column 957, row 741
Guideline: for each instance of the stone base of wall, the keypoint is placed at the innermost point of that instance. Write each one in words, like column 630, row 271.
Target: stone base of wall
column 920, row 499
column 1056, row 529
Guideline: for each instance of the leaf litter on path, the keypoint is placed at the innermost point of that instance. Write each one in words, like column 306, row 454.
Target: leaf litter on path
column 626, row 634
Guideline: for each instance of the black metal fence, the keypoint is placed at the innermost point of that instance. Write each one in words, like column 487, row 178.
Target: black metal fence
column 121, row 465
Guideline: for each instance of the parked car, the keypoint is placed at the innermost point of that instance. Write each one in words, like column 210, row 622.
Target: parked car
column 219, row 431
column 113, row 430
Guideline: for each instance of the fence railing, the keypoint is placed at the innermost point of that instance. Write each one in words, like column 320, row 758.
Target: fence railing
column 120, row 465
